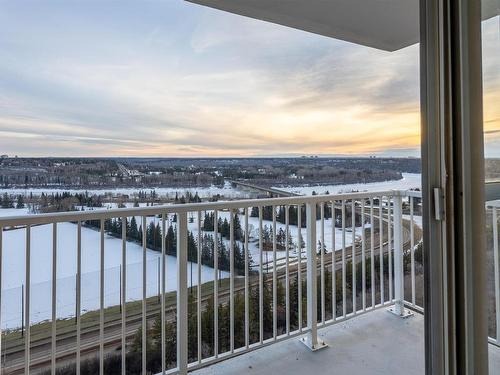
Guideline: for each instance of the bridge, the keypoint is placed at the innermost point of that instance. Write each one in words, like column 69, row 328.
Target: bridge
column 269, row 192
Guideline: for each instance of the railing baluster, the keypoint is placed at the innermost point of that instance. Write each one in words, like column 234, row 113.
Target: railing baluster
column 399, row 307
column 216, row 284
column 261, row 280
column 78, row 295
column 247, row 292
column 372, row 253
column 27, row 338
column 198, row 289
column 312, row 301
column 381, row 248
column 390, row 247
column 412, row 252
column 353, row 256
column 496, row 259
column 275, row 279
column 163, row 288
column 311, row 340
column 287, row 269
column 123, row 293
column 363, row 255
column 101, row 300
column 322, row 260
column 182, row 294
column 231, row 280
column 54, row 300
column 344, row 289
column 398, row 255
column 299, row 273
column 334, row 266
column 144, row 270
column 1, row 275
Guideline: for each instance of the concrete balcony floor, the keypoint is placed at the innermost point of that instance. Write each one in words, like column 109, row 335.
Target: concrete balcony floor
column 374, row 343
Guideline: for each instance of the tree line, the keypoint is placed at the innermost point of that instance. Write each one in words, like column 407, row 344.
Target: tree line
column 67, row 201
column 134, row 233
column 267, row 214
column 8, row 201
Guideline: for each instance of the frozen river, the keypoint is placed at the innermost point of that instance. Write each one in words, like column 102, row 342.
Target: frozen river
column 204, row 192
column 409, row 181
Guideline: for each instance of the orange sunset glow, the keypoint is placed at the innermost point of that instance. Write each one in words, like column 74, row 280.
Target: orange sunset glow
column 123, row 83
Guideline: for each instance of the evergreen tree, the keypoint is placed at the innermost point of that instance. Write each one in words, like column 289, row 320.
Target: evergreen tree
column 7, row 201
column 20, row 201
column 192, row 248
column 208, row 222
column 238, row 231
column 133, row 232
column 254, row 212
column 170, row 241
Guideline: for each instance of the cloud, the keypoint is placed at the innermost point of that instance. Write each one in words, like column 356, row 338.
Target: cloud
column 175, row 79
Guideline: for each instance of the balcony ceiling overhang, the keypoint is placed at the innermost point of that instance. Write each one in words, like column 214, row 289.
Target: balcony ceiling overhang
column 383, row 24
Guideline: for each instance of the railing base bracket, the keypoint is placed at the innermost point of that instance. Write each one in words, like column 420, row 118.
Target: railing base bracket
column 406, row 312
column 314, row 348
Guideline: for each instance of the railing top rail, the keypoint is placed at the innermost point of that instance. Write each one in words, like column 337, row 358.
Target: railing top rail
column 492, row 189
column 493, row 204
column 413, row 193
column 59, row 217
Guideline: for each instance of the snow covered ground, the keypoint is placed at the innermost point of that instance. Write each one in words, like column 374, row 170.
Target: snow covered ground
column 409, row 181
column 253, row 246
column 41, row 256
column 14, row 243
column 5, row 212
column 417, row 220
column 253, row 226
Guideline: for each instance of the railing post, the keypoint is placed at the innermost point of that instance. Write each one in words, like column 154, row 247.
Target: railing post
column 182, row 294
column 496, row 268
column 311, row 340
column 398, row 308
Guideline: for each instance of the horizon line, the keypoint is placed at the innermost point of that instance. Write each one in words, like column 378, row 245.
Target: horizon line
column 291, row 156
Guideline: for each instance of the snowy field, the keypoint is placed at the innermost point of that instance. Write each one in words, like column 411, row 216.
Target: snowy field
column 6, row 212
column 417, row 220
column 409, row 181
column 14, row 242
column 253, row 246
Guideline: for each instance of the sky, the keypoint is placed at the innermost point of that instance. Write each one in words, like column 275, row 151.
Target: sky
column 174, row 79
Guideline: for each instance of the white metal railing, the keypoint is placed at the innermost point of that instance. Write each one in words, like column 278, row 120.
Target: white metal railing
column 376, row 233
column 414, row 199
column 494, row 208
column 378, row 251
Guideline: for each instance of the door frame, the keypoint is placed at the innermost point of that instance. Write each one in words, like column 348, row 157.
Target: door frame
column 453, row 187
